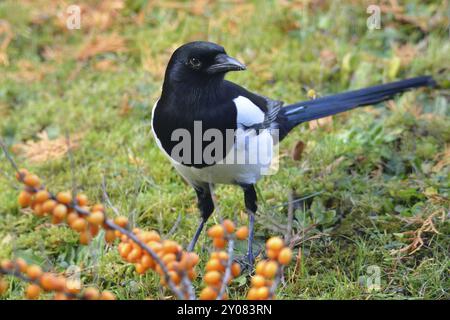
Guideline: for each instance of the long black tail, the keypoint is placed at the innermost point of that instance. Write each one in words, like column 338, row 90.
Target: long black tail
column 294, row 114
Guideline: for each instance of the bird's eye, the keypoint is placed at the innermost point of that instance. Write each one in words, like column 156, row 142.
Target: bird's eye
column 195, row 63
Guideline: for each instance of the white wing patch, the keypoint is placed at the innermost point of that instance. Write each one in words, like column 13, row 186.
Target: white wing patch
column 248, row 113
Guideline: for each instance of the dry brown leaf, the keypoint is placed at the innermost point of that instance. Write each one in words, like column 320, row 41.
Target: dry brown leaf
column 443, row 159
column 45, row 149
column 105, row 65
column 29, row 71
column 328, row 58
column 101, row 44
column 125, row 106
column 321, row 123
column 416, row 237
column 406, row 53
column 297, row 151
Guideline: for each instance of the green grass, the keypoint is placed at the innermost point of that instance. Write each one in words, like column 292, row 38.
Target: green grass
column 375, row 168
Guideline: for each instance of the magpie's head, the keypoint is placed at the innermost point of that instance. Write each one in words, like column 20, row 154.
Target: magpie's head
column 200, row 60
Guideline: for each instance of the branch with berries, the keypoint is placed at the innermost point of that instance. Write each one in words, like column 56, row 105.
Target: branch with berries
column 145, row 249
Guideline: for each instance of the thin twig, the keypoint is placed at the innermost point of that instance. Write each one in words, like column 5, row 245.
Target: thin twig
column 8, row 155
column 174, row 227
column 290, row 217
column 227, row 275
column 72, row 166
column 312, row 195
column 106, row 197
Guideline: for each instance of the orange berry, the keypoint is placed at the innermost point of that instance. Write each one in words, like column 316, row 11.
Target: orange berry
column 124, row 249
column 34, row 272
column 140, row 269
column 96, row 218
column 175, row 277
column 121, row 221
column 235, row 269
column 82, row 199
column 192, row 274
column 214, row 265
column 107, row 295
column 219, row 243
column 48, row 281
column 7, row 264
column 169, row 257
column 285, row 256
column 64, row 197
column 3, row 286
column 72, row 217
column 212, row 278
column 155, row 246
column 275, row 243
column 260, row 267
column 193, row 259
column 148, row 236
column 94, row 229
column 208, row 293
column 91, row 293
column 147, row 261
column 110, row 236
column 262, row 293
column 217, row 231
column 228, row 225
column 258, row 281
column 32, row 180
column 37, row 209
column 85, row 238
column 272, row 254
column 270, row 269
column 24, row 199
column 252, row 294
column 33, row 291
column 21, row 264
column 60, row 212
column 223, row 255
column 242, row 233
column 170, row 246
column 98, row 207
column 59, row 296
column 135, row 254
column 49, row 205
column 20, row 175
column 41, row 196
column 79, row 225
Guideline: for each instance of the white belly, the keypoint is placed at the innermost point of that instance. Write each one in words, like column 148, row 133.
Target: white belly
column 243, row 164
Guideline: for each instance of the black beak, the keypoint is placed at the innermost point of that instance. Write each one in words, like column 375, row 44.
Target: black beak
column 224, row 63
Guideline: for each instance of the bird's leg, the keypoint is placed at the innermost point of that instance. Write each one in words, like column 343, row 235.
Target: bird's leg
column 196, row 235
column 206, row 207
column 250, row 205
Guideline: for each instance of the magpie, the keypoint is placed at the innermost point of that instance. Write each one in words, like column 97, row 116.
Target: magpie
column 197, row 101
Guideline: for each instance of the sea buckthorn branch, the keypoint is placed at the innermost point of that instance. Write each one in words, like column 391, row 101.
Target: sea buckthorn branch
column 268, row 272
column 39, row 281
column 227, row 275
column 59, row 205
column 220, row 269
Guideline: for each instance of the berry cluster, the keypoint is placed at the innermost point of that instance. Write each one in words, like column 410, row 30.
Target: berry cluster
column 219, row 261
column 63, row 207
column 178, row 262
column 40, row 281
column 262, row 283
